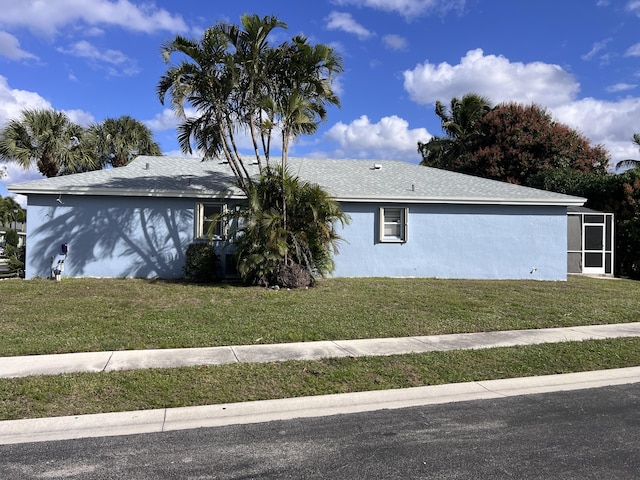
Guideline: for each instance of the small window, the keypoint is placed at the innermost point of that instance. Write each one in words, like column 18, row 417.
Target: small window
column 393, row 224
column 209, row 223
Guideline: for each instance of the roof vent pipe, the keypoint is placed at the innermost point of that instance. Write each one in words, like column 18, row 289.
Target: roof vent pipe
column 146, row 166
column 377, row 166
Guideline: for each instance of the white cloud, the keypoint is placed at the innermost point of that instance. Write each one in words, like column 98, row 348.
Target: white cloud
column 391, row 137
column 620, row 87
column 16, row 174
column 407, row 8
column 597, row 48
column 13, row 101
column 609, row 123
column 48, row 17
column 114, row 62
column 167, row 120
column 493, row 76
column 394, row 42
column 633, row 6
column 346, row 23
column 82, row 118
column 633, row 51
column 10, row 48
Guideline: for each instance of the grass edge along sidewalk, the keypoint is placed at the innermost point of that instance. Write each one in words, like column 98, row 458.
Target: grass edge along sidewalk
column 119, row 391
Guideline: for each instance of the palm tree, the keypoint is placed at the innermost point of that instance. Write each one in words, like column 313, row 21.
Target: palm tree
column 119, row 140
column 629, row 162
column 459, row 124
column 301, row 89
column 237, row 81
column 49, row 140
column 271, row 253
column 208, row 81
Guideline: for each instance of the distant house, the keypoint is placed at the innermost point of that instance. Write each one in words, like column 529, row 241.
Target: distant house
column 406, row 220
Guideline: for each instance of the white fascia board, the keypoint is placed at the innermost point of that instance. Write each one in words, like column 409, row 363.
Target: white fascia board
column 571, row 201
column 112, row 192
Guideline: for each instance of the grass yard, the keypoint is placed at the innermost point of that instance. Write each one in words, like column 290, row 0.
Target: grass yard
column 41, row 316
column 83, row 393
column 75, row 315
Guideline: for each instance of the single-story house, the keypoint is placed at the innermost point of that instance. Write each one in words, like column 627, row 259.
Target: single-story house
column 406, row 220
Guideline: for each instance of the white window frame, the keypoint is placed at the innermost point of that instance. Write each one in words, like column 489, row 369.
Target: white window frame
column 201, row 230
column 389, row 217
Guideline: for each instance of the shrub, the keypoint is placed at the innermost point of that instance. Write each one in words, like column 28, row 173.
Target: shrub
column 12, row 238
column 201, row 263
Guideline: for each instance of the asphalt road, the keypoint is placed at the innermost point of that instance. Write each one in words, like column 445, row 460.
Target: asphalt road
column 581, row 434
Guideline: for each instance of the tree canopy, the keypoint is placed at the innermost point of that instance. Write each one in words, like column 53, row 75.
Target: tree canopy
column 509, row 142
column 11, row 212
column 238, row 82
column 117, row 141
column 50, row 141
column 460, row 125
column 47, row 139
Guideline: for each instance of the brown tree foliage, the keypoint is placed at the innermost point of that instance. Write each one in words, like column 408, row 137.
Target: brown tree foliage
column 517, row 141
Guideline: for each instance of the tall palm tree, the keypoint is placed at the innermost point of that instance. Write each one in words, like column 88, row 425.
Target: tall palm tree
column 49, row 140
column 254, row 58
column 629, row 162
column 119, row 140
column 237, row 81
column 301, row 89
column 459, row 124
column 207, row 80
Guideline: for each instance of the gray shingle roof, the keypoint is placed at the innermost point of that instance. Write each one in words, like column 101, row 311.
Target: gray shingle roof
column 355, row 180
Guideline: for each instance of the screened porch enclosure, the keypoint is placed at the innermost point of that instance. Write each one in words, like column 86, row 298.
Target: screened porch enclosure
column 590, row 242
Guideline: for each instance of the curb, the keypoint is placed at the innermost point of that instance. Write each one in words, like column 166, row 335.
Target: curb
column 207, row 416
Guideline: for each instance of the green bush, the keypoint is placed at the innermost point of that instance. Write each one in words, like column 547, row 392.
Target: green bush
column 201, row 263
column 12, row 238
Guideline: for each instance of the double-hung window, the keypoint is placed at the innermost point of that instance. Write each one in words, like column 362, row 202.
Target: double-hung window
column 209, row 221
column 394, row 222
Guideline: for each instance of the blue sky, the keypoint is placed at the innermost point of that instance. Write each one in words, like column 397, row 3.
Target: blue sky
column 96, row 59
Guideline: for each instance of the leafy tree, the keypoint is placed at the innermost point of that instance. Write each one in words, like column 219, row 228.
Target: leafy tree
column 117, row 141
column 49, row 140
column 11, row 212
column 460, row 126
column 238, row 82
column 518, row 141
column 510, row 142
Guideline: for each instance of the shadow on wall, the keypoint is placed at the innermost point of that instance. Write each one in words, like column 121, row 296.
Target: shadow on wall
column 111, row 236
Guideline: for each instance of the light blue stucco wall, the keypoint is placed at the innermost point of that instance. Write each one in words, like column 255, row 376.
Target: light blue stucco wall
column 458, row 241
column 109, row 236
column 148, row 237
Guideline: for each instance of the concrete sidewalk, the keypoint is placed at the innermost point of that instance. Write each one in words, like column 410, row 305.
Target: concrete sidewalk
column 162, row 420
column 183, row 357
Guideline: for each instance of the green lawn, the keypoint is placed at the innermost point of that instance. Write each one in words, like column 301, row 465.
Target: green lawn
column 41, row 316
